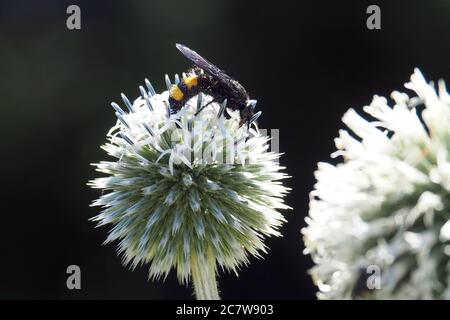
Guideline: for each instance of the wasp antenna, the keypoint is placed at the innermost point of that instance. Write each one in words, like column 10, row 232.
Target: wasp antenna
column 177, row 79
column 127, row 102
column 199, row 101
column 222, row 108
column 149, row 130
column 125, row 137
column 199, row 110
column 168, row 83
column 117, row 108
column 151, row 90
column 121, row 119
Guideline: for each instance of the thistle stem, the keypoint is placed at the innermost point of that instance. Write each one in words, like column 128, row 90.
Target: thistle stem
column 204, row 277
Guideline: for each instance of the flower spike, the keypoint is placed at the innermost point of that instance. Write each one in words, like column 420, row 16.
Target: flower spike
column 180, row 194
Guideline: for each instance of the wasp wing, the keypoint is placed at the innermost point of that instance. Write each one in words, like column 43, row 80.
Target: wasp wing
column 228, row 82
column 204, row 64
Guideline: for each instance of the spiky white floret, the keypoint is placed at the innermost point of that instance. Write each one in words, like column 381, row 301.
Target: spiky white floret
column 186, row 189
column 388, row 203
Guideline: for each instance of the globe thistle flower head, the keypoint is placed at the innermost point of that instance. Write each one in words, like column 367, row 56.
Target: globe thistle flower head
column 190, row 191
column 386, row 207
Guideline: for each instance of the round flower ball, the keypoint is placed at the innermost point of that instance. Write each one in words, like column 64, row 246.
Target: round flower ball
column 189, row 191
column 379, row 221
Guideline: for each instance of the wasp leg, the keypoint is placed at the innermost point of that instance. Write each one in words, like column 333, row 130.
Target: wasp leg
column 173, row 106
column 199, row 101
column 227, row 115
column 214, row 100
column 222, row 108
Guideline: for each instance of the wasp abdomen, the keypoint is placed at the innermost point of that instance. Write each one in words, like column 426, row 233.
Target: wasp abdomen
column 180, row 90
column 184, row 90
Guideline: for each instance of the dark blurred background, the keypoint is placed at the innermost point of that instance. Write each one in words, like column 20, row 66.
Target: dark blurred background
column 305, row 61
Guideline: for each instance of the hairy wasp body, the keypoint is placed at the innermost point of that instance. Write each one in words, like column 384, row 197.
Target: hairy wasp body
column 209, row 79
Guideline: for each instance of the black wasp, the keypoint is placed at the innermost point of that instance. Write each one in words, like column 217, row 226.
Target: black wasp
column 206, row 78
